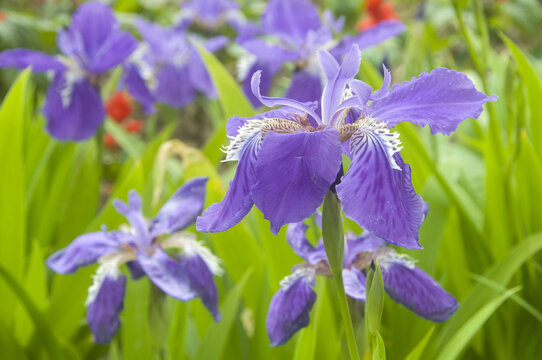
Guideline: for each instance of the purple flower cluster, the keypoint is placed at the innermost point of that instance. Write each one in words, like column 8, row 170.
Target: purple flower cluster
column 292, row 31
column 142, row 247
column 290, row 157
column 92, row 45
column 403, row 281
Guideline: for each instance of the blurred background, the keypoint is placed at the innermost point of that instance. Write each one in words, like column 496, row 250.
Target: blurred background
column 483, row 184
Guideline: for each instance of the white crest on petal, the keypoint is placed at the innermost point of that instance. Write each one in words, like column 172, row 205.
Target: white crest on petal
column 244, row 64
column 389, row 257
column 73, row 74
column 306, row 272
column 144, row 69
column 109, row 268
column 191, row 247
column 389, row 139
column 250, row 131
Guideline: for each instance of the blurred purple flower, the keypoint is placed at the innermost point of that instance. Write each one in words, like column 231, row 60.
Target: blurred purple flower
column 167, row 67
column 403, row 281
column 212, row 14
column 290, row 157
column 298, row 32
column 92, row 45
column 184, row 277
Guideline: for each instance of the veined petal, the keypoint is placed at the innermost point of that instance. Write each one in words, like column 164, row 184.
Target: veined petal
column 294, row 172
column 273, row 101
column 377, row 190
column 83, row 251
column 441, row 99
column 412, row 287
column 22, row 58
column 354, row 283
column 238, row 200
column 168, row 274
column 105, row 300
column 73, row 110
column 290, row 306
column 291, row 20
column 182, row 209
column 295, row 235
column 336, row 79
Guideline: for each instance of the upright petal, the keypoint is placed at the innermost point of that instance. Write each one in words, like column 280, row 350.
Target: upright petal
column 291, row 20
column 294, row 172
column 105, row 303
column 182, row 209
column 336, row 79
column 73, row 111
column 168, row 274
column 290, row 307
column 354, row 283
column 114, row 51
column 132, row 212
column 22, row 58
column 412, row 287
column 377, row 191
column 238, row 200
column 441, row 99
column 305, row 87
column 266, row 81
column 83, row 251
column 296, row 237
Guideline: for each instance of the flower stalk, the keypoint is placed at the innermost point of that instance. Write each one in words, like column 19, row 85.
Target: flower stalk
column 333, row 236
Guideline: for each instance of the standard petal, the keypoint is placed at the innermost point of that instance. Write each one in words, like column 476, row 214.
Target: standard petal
column 290, row 307
column 114, row 51
column 238, row 200
column 336, row 79
column 199, row 76
column 73, row 111
column 173, row 88
column 294, row 172
column 377, row 190
column 132, row 212
column 182, row 209
column 168, row 274
column 412, row 287
column 105, row 303
column 83, row 251
column 22, row 58
column 354, row 283
column 385, row 88
column 201, row 281
column 441, row 99
column 305, row 87
column 296, row 237
column 291, row 20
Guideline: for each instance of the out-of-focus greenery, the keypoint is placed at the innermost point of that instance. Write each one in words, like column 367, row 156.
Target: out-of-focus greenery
column 481, row 238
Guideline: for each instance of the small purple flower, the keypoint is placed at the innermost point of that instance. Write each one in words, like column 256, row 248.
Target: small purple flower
column 141, row 247
column 167, row 68
column 92, row 45
column 211, row 14
column 298, row 32
column 403, row 281
column 290, row 157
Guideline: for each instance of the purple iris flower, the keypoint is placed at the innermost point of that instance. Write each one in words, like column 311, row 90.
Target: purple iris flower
column 167, row 67
column 298, row 32
column 142, row 247
column 290, row 157
column 403, row 281
column 90, row 46
column 211, row 14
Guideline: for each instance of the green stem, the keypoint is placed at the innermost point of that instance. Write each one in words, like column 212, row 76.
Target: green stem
column 100, row 145
column 333, row 235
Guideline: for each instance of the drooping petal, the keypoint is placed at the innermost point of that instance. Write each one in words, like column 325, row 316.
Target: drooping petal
column 238, row 200
column 291, row 20
column 22, row 58
column 182, row 209
column 305, row 87
column 273, row 101
column 199, row 76
column 136, row 86
column 377, row 190
column 412, row 287
column 296, row 237
column 294, row 172
column 135, row 269
column 355, row 245
column 354, row 283
column 381, row 32
column 83, row 251
column 173, row 88
column 168, row 274
column 73, row 111
column 336, row 79
column 132, row 212
column 441, row 99
column 105, row 303
column 290, row 307
column 215, row 43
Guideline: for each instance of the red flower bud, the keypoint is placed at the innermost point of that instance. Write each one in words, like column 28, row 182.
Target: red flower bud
column 119, row 106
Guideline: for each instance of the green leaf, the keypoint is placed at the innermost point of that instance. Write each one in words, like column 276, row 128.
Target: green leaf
column 128, row 142
column 374, row 306
column 12, row 188
column 135, row 330
column 461, row 338
column 232, row 100
column 332, row 232
column 417, row 352
column 214, row 342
